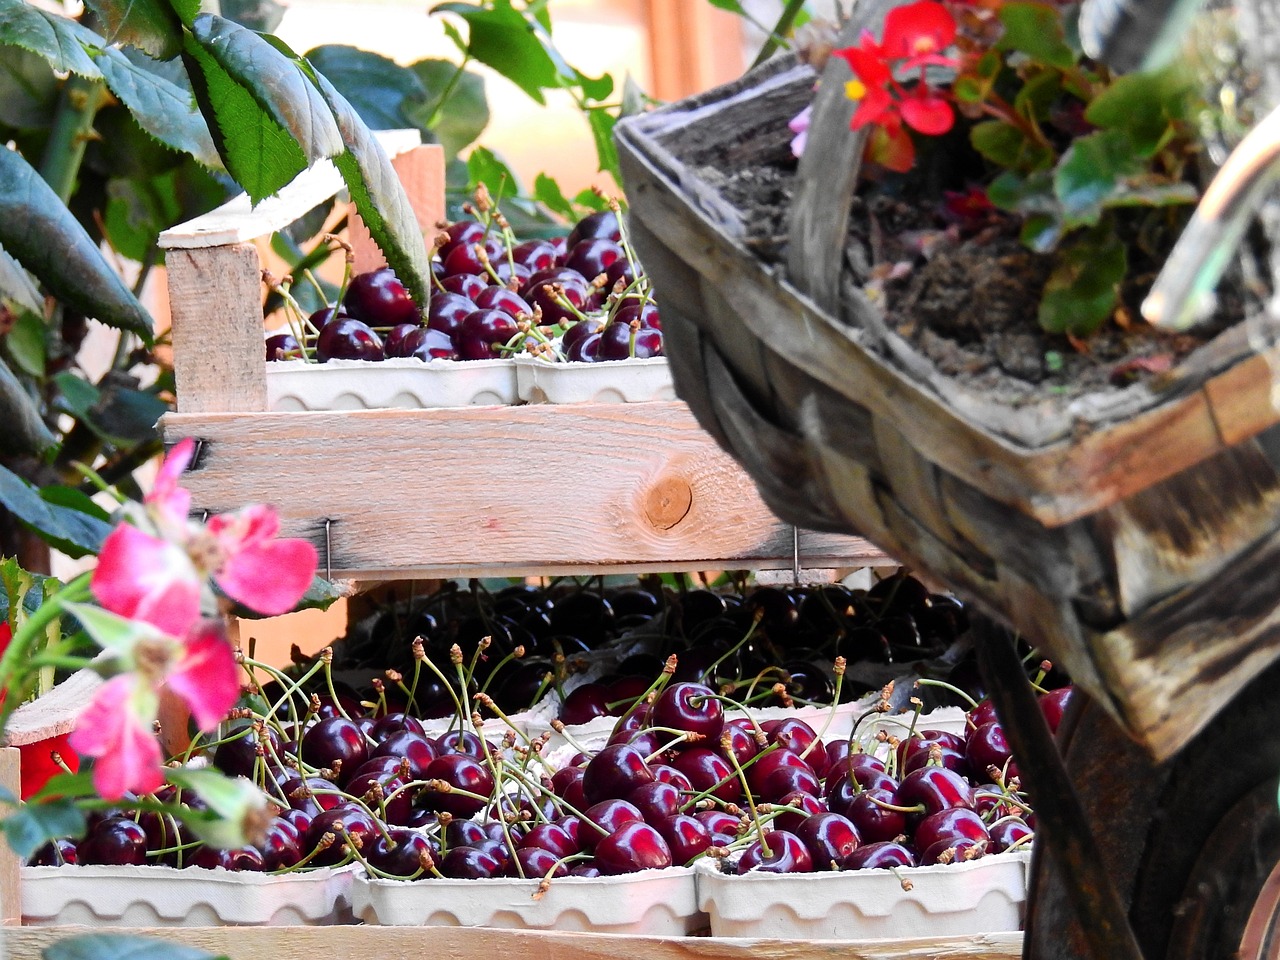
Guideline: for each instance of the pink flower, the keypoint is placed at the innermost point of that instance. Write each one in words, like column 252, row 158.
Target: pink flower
column 146, row 578
column 262, row 572
column 117, row 726
column 168, row 503
column 116, row 729
column 799, row 125
column 917, row 33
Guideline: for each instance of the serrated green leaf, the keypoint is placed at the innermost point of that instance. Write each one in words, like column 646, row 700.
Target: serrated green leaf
column 376, row 86
column 379, row 196
column 1083, row 288
column 591, row 200
column 602, row 123
column 32, row 825
column 28, row 89
column 457, row 120
column 62, row 42
column 25, row 432
column 150, row 25
column 999, row 142
column 547, row 192
column 502, row 39
column 63, row 527
column 1041, row 232
column 268, row 120
column 163, row 109
column 1090, row 172
column 17, row 286
column 25, row 344
column 123, row 946
column 1038, row 94
column 1143, row 105
column 40, row 232
column 1036, row 30
column 597, row 88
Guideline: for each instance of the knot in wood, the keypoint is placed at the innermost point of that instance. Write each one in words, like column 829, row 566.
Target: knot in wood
column 667, row 502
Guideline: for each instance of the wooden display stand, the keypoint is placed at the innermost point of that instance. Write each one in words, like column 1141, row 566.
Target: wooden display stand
column 399, row 494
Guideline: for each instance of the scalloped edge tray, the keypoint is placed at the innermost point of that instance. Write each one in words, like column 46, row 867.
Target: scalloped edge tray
column 651, row 902
column 399, row 382
column 618, row 381
column 191, row 897
column 981, row 896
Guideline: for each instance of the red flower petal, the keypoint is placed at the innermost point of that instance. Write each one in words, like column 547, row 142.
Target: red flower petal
column 37, row 764
column 142, row 577
column 116, row 729
column 874, row 107
column 867, row 65
column 207, row 676
column 927, row 112
column 918, row 28
column 269, row 577
column 891, row 147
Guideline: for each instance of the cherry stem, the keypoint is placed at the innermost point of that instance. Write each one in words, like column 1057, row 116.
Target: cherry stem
column 831, row 714
column 950, row 687
column 886, row 805
column 751, row 800
column 710, row 671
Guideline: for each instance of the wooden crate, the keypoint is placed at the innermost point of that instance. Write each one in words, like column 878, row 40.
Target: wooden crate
column 394, row 494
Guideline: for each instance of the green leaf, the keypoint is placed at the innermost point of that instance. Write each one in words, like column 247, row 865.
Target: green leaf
column 25, row 343
column 1083, row 288
column 39, row 230
column 1038, row 94
column 379, row 196
column 137, row 210
column 733, row 6
column 267, row 120
column 162, row 108
column 1041, row 232
column 25, row 432
column 591, row 200
column 1036, row 30
column 150, row 25
column 999, row 142
column 17, row 286
column 483, row 166
column 547, row 192
column 1143, row 105
column 1090, row 172
column 62, row 42
column 77, row 394
column 28, row 89
column 602, row 123
column 501, row 38
column 123, row 946
column 376, row 86
column 125, row 414
column 461, row 117
column 64, row 527
column 32, row 825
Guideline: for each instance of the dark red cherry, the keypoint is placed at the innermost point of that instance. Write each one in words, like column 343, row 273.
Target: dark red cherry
column 780, row 772
column 469, row 863
column 584, row 703
column 805, row 803
column 547, row 292
column 738, row 741
column 400, row 853
column 655, row 800
column 346, row 338
column 500, row 298
column 984, row 712
column 614, row 772
column 311, row 794
column 873, row 821
column 346, row 820
column 409, row 745
column 686, row 836
column 691, row 707
column 114, row 841
column 473, row 258
column 535, row 254
column 844, row 789
column 379, row 299
column 427, row 344
column 584, row 349
column 461, row 773
column 447, row 311
column 601, row 223
column 282, row 846
column 593, row 256
column 580, row 331
column 632, row 847
column 934, row 788
column 393, row 343
column 797, row 736
column 987, row 747
column 335, row 743
column 618, row 341
column 829, row 838
column 55, row 853
column 512, row 275
column 1052, row 705
column 552, row 837
column 916, row 751
column 646, row 311
column 782, row 852
column 722, row 826
column 283, row 346
column 609, row 816
column 377, row 782
column 1010, row 832
column 483, row 333
column 461, row 233
column 878, row 856
column 242, row 859
column 238, row 756
column 620, row 272
column 466, row 285
column 536, row 862
column 953, row 851
column 705, row 769
column 949, row 826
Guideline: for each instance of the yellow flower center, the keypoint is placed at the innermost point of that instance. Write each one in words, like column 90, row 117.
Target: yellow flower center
column 855, row 89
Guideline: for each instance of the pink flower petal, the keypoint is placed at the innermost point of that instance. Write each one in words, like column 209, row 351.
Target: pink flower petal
column 270, row 577
column 116, row 729
column 207, row 677
column 927, row 113
column 254, row 524
column 918, row 28
column 145, row 578
column 170, row 503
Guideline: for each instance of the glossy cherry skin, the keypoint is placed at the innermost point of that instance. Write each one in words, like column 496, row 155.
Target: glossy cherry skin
column 632, row 847
column 1053, row 704
column 952, row 851
column 403, row 856
column 500, row 298
column 609, row 816
column 243, row 859
column 780, row 772
column 874, row 823
column 619, row 275
column 705, row 768
column 914, row 752
column 282, row 845
column 346, row 818
column 238, row 757
column 692, row 707
column 950, row 825
column 379, row 299
column 335, row 743
column 447, row 311
column 469, row 863
column 878, row 856
column 552, row 837
column 546, row 289
column 283, row 346
column 55, row 853
column 593, row 256
column 483, row 333
column 535, row 254
column 464, row 285
column 644, row 311
column 863, row 768
column 601, row 223
column 393, row 342
column 460, row 772
column 655, row 800
column 738, row 741
column 584, row 349
column 566, row 783
column 417, row 748
column 786, row 854
column 935, row 788
column 115, row 841
column 383, row 775
column 685, row 835
column 461, row 741
column 428, row 344
column 1009, row 832
column 797, row 736
column 829, row 838
column 844, row 789
column 311, row 794
column 987, row 747
column 536, row 862
column 666, row 773
column 620, row 341
column 466, row 258
column 722, row 826
column 984, row 712
column 805, row 803
column 461, row 233
column 614, row 772
column 346, row 338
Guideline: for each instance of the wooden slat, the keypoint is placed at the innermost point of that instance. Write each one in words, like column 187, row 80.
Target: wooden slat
column 579, row 488
column 476, row 943
column 52, row 714
column 1242, row 400
column 215, row 297
column 10, row 894
column 421, row 172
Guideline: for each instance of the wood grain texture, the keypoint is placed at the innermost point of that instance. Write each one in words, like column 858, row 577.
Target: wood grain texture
column 421, row 173
column 52, row 714
column 476, row 943
column 215, row 298
column 500, row 490
column 10, row 895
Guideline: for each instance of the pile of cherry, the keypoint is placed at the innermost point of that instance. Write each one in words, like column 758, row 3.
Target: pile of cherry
column 581, row 297
column 743, row 642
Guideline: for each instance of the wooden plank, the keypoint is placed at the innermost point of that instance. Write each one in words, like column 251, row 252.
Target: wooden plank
column 215, row 297
column 580, row 488
column 52, row 714
column 421, row 173
column 1243, row 399
column 478, row 943
column 10, row 866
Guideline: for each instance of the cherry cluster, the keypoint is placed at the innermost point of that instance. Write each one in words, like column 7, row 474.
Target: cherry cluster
column 579, row 297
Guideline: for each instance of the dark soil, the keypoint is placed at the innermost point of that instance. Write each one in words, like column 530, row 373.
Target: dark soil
column 969, row 302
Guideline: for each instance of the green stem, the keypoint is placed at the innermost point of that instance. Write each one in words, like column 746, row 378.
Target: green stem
column 70, row 134
column 17, row 655
column 779, row 31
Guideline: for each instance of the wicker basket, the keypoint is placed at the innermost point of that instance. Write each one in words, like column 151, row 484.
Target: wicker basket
column 1131, row 535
